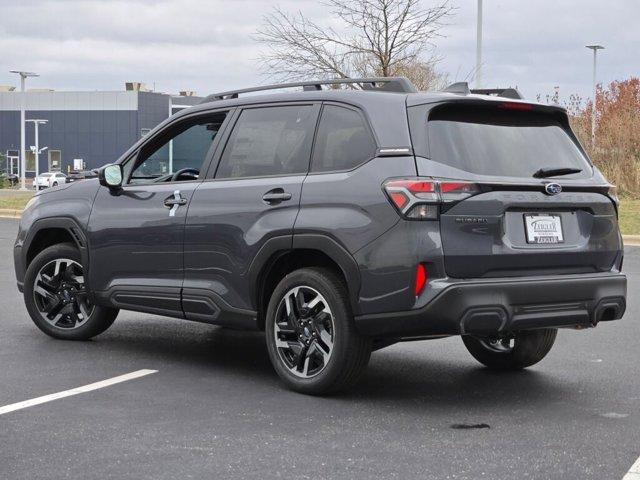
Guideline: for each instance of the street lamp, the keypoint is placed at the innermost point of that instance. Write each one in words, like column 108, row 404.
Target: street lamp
column 479, row 47
column 595, row 49
column 37, row 150
column 23, row 77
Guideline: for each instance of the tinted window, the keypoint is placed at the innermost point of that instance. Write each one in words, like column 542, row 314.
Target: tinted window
column 269, row 141
column 343, row 140
column 183, row 146
column 502, row 142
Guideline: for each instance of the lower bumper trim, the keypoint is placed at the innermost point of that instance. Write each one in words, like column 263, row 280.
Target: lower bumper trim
column 507, row 305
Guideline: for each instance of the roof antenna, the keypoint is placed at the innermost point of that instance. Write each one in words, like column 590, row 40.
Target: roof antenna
column 461, row 88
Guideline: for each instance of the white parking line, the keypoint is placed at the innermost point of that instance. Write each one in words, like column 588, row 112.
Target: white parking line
column 634, row 471
column 75, row 391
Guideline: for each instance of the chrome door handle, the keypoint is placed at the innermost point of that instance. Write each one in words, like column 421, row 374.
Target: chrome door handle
column 276, row 195
column 174, row 201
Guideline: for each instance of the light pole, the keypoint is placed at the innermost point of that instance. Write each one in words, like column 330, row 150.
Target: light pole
column 37, row 122
column 23, row 107
column 595, row 49
column 479, row 47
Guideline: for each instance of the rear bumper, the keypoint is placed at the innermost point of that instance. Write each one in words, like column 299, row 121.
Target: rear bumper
column 491, row 307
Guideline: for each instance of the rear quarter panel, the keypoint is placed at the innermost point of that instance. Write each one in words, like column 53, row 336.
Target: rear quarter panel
column 352, row 209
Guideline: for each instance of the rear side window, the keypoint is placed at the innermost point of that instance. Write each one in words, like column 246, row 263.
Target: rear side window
column 494, row 141
column 269, row 141
column 343, row 142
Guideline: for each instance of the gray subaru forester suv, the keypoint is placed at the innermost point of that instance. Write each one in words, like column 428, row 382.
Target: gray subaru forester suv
column 339, row 221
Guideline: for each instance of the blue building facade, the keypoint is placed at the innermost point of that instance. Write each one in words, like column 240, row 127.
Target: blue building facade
column 96, row 127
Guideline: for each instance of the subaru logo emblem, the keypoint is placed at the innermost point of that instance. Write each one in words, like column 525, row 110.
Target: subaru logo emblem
column 553, row 188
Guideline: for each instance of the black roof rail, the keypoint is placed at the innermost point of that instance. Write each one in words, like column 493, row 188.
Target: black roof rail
column 386, row 84
column 500, row 92
column 462, row 88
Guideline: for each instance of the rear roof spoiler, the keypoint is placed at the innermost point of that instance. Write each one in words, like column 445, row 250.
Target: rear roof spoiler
column 462, row 88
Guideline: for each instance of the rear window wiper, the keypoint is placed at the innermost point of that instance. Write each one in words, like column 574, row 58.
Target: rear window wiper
column 554, row 172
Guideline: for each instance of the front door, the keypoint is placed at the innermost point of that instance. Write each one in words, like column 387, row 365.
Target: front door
column 136, row 233
column 251, row 200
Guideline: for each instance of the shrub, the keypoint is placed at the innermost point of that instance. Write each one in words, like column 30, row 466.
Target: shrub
column 617, row 148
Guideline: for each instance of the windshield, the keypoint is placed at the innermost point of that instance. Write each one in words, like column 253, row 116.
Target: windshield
column 492, row 141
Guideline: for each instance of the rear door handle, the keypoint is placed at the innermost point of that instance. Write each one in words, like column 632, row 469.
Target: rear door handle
column 275, row 196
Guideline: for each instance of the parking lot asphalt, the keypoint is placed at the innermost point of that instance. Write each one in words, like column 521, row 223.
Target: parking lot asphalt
column 215, row 407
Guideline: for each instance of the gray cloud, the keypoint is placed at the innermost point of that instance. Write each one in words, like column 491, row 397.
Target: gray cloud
column 208, row 45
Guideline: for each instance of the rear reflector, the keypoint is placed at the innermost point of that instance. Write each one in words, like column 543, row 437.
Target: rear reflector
column 421, row 279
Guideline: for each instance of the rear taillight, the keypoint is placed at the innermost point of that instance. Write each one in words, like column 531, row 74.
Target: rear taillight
column 420, row 199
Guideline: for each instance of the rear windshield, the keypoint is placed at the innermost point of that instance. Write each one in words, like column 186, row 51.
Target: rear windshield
column 493, row 141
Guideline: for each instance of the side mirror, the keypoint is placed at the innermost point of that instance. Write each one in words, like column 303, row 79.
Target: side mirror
column 111, row 176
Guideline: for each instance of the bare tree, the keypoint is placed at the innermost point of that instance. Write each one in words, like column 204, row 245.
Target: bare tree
column 378, row 38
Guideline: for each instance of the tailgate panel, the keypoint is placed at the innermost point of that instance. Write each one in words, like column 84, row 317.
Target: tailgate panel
column 485, row 235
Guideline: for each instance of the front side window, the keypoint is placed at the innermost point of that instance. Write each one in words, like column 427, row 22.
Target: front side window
column 181, row 148
column 269, row 141
column 343, row 141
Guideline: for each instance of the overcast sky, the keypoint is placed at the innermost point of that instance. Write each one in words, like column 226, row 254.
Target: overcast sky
column 207, row 45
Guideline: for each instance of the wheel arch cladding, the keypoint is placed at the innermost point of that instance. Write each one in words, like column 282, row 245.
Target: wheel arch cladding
column 51, row 231
column 283, row 262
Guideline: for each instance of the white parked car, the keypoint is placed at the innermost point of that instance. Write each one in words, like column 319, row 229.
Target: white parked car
column 49, row 179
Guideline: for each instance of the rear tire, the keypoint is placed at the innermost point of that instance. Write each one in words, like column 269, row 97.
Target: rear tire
column 311, row 338
column 57, row 303
column 524, row 349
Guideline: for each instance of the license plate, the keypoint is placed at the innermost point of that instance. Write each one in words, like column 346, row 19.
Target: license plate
column 543, row 228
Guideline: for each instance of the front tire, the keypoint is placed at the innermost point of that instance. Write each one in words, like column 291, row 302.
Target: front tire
column 516, row 352
column 56, row 298
column 311, row 338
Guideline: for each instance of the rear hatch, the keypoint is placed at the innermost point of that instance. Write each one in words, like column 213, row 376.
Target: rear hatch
column 529, row 201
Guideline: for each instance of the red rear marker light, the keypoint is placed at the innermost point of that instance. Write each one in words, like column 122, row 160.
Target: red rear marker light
column 516, row 106
column 421, row 279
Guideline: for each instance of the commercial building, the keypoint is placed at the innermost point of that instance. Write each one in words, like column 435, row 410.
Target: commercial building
column 95, row 127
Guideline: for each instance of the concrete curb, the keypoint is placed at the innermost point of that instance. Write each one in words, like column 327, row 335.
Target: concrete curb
column 10, row 213
column 16, row 213
column 631, row 240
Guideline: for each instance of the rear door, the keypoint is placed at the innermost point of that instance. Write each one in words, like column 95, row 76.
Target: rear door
column 247, row 204
column 518, row 210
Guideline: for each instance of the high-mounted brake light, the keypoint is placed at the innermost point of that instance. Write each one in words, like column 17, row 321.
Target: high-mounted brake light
column 419, row 199
column 515, row 106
